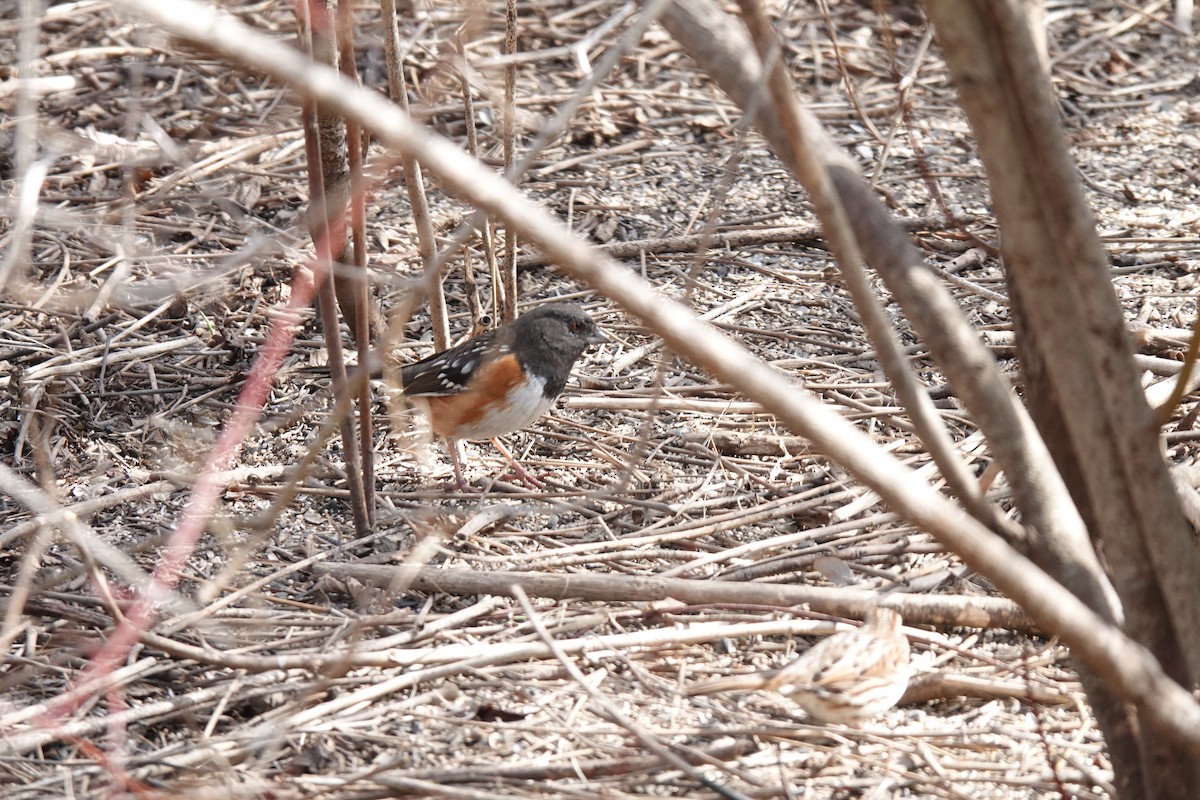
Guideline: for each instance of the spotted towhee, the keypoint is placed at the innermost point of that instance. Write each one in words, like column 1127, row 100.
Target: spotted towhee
column 502, row 380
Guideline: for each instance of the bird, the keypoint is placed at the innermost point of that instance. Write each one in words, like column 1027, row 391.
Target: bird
column 502, row 380
column 850, row 676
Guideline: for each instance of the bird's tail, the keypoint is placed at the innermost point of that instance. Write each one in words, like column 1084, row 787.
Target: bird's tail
column 749, row 682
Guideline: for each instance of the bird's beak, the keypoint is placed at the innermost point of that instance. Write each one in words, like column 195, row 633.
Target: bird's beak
column 598, row 336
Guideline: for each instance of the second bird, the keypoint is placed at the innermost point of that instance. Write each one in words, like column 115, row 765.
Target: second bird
column 850, row 676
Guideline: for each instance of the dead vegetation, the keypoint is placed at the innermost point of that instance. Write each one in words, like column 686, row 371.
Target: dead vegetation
column 168, row 228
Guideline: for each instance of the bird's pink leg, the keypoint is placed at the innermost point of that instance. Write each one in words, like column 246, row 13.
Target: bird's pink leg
column 518, row 470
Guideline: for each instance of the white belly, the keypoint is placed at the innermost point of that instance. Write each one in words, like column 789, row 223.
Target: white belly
column 522, row 407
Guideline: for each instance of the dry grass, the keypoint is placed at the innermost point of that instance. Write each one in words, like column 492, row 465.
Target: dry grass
column 169, row 225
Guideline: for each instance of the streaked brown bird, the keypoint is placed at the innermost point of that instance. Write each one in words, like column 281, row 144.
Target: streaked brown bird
column 848, row 677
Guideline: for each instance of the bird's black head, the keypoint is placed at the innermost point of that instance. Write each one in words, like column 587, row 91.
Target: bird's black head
column 553, row 337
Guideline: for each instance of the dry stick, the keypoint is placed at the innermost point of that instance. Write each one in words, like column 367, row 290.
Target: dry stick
column 328, row 188
column 804, row 139
column 917, row 609
column 29, row 173
column 483, row 654
column 903, row 89
column 264, row 526
column 642, row 446
column 426, row 779
column 1181, row 383
column 50, row 515
column 247, row 150
column 607, row 709
column 509, row 274
column 358, row 236
column 464, row 660
column 484, row 607
column 171, row 625
column 31, row 561
column 486, row 225
column 1086, row 401
column 325, row 151
column 79, row 361
column 721, row 240
column 1183, row 17
column 208, row 487
column 586, row 158
column 904, row 117
column 639, row 546
column 1063, row 542
column 82, row 509
column 555, row 125
column 566, row 51
column 422, row 788
column 847, row 84
column 1125, row 665
column 118, row 677
column 777, row 542
column 925, row 687
column 488, row 231
column 15, row 743
column 849, row 557
column 1139, row 17
column 343, row 659
column 327, row 308
column 636, row 354
column 414, row 184
column 787, row 505
column 744, row 444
